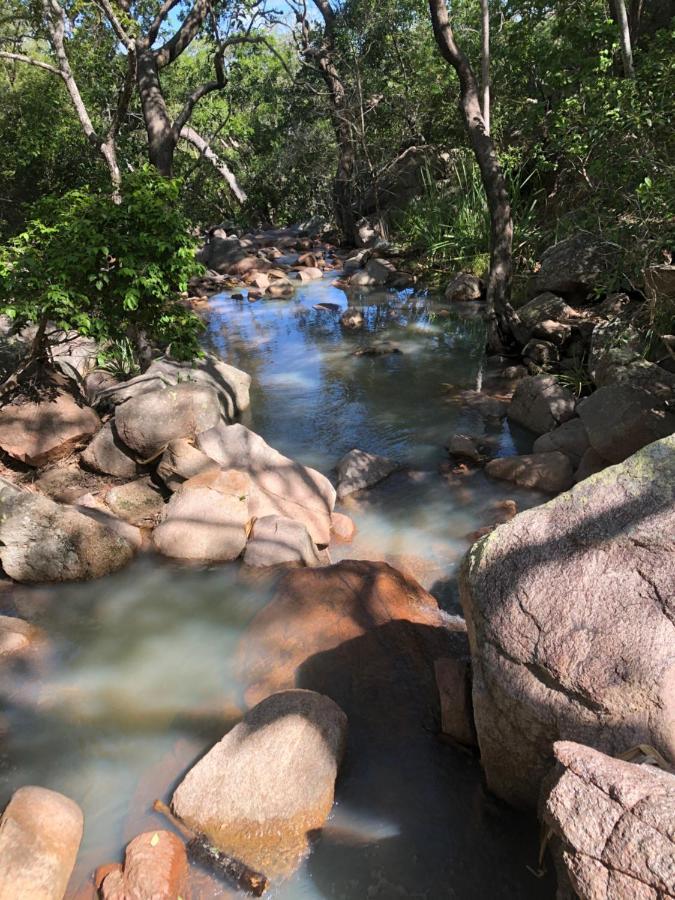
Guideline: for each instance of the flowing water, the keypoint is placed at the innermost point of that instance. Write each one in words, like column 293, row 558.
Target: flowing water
column 141, row 677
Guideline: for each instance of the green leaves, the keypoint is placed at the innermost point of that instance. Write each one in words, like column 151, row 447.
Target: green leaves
column 107, row 270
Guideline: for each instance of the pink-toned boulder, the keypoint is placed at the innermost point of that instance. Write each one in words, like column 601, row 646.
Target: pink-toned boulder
column 282, row 487
column 38, row 433
column 612, row 824
column 570, row 612
column 343, row 528
column 155, row 868
column 260, row 793
column 551, row 472
column 275, row 540
column 107, row 454
column 180, row 461
column 40, row 834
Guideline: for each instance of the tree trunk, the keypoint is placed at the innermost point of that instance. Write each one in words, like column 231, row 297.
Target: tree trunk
column 500, row 315
column 485, row 61
column 624, row 37
column 161, row 137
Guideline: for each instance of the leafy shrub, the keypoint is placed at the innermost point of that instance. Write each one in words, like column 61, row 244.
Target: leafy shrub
column 109, row 271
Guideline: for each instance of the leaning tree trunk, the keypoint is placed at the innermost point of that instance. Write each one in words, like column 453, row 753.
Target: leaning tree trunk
column 500, row 315
column 624, row 37
column 161, row 137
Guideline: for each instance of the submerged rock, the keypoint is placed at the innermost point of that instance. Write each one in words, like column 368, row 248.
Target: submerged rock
column 38, row 433
column 613, row 824
column 359, row 469
column 551, row 472
column 282, row 486
column 44, row 541
column 40, row 834
column 343, row 528
column 570, row 615
column 148, row 422
column 260, row 793
column 352, row 318
column 19, row 639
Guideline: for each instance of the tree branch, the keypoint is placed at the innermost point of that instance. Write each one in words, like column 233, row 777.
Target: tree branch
column 19, row 57
column 109, row 12
column 184, row 36
column 153, row 30
column 194, row 138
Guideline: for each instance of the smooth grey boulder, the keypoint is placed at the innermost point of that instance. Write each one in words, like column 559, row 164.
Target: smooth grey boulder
column 612, row 824
column 571, row 618
column 41, row 541
column 359, row 469
column 570, row 438
column 545, row 307
column 275, row 540
column 148, row 422
column 107, row 454
column 260, row 793
column 573, row 266
column 620, row 419
column 464, row 287
column 540, row 403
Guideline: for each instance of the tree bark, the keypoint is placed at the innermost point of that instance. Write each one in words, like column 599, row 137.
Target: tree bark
column 197, row 141
column 500, row 315
column 161, row 138
column 624, row 37
column 485, row 62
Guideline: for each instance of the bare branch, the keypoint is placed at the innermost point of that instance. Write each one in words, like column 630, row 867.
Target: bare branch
column 194, row 138
column 184, row 36
column 19, row 57
column 153, row 30
column 184, row 116
column 106, row 7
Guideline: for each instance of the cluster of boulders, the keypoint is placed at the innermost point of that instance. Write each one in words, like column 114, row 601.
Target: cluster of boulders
column 266, row 264
column 160, row 464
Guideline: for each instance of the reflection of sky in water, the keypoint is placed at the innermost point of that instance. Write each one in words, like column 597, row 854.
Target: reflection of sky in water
column 144, row 672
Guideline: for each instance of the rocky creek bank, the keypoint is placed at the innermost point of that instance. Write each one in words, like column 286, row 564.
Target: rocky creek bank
column 560, row 674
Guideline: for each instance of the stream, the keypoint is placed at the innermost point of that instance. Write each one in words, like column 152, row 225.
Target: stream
column 141, row 677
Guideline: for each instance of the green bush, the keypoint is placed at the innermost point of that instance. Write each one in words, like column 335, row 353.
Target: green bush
column 109, row 271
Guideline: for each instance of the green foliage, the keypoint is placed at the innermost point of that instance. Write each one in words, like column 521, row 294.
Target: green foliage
column 111, row 271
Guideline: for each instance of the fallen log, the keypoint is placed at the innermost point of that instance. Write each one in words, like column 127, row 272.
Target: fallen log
column 199, row 850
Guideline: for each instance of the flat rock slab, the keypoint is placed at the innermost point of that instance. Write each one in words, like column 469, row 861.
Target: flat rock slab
column 260, row 793
column 275, row 540
column 551, row 472
column 40, row 834
column 614, row 823
column 148, row 422
column 44, row 541
column 283, row 487
column 570, row 611
column 359, row 469
column 38, row 433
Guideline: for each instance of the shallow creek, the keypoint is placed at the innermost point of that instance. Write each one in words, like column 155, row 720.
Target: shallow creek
column 142, row 677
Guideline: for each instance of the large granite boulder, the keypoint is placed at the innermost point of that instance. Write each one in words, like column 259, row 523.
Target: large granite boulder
column 40, row 432
column 137, row 502
column 540, row 403
column 180, row 461
column 206, row 519
column 283, row 487
column 41, row 541
column 620, row 419
column 613, row 826
column 40, row 834
column 546, row 307
column 260, row 793
column 572, row 267
column 570, row 613
column 464, row 287
column 570, row 438
column 275, row 540
column 148, row 422
column 107, row 454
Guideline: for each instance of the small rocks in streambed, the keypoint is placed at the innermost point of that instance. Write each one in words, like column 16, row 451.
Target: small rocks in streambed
column 464, row 446
column 343, row 528
column 107, row 454
column 551, row 472
column 180, row 461
column 540, row 403
column 327, row 307
column 539, row 354
column 39, row 433
column 275, row 540
column 138, row 502
column 259, row 793
column 488, row 406
column 155, row 868
column 453, row 678
column 40, row 834
column 205, row 520
column 351, row 318
column 307, row 274
column 45, row 541
column 570, row 613
column 612, row 824
column 148, row 422
column 359, row 469
column 19, row 639
column 464, row 287
column 378, row 348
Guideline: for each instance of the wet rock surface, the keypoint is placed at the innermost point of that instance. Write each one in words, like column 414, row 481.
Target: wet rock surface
column 570, row 615
column 155, row 868
column 359, row 469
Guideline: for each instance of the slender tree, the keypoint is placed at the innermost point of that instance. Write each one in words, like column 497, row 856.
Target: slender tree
column 624, row 37
column 485, row 61
column 499, row 312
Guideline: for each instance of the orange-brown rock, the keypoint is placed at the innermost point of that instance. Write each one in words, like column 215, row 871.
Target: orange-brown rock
column 37, row 433
column 155, row 868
